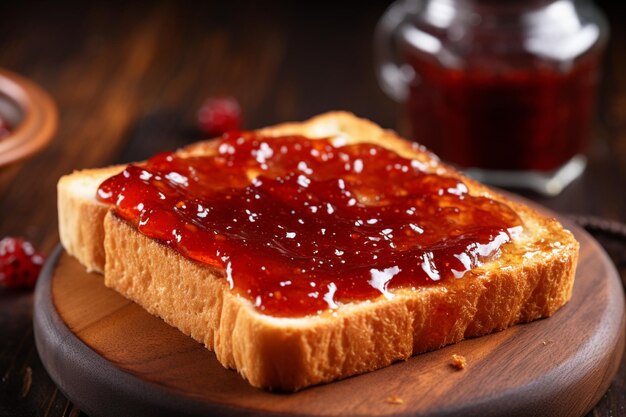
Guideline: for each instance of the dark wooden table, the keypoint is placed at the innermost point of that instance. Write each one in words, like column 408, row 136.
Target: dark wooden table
column 128, row 79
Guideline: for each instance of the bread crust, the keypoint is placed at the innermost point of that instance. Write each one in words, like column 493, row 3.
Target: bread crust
column 81, row 216
column 532, row 278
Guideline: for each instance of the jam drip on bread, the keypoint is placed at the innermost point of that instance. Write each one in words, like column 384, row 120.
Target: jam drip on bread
column 301, row 226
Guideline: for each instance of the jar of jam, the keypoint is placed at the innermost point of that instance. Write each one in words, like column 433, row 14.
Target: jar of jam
column 503, row 89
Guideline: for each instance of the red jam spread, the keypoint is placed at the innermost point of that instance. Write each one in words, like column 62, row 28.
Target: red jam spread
column 301, row 226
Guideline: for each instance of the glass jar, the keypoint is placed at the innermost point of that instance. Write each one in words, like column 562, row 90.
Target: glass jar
column 504, row 89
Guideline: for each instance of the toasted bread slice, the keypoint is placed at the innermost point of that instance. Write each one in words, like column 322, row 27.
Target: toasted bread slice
column 532, row 278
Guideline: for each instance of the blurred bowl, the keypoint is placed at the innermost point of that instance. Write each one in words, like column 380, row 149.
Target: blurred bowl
column 31, row 114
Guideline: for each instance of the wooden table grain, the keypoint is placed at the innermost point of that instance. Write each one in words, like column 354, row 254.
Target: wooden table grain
column 128, row 78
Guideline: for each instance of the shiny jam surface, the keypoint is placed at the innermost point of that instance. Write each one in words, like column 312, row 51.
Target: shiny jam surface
column 302, row 226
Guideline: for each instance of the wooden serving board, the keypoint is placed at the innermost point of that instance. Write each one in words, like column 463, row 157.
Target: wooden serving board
column 113, row 359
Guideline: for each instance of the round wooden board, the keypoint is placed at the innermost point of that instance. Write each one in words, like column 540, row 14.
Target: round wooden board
column 112, row 358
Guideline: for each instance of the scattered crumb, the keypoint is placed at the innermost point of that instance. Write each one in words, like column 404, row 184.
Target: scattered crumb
column 458, row 362
column 547, row 342
column 26, row 382
column 394, row 399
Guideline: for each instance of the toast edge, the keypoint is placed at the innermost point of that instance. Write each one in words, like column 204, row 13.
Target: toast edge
column 81, row 217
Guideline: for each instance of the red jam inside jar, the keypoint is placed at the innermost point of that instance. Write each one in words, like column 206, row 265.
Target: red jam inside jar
column 503, row 119
column 301, row 226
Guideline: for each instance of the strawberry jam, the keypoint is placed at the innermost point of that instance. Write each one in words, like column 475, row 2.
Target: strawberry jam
column 302, row 226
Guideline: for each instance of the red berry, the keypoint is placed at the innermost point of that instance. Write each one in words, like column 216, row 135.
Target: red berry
column 219, row 115
column 19, row 263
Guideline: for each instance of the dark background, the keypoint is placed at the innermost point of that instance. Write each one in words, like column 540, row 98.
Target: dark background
column 129, row 78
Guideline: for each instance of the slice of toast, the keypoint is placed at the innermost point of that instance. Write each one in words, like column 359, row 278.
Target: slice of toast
column 532, row 278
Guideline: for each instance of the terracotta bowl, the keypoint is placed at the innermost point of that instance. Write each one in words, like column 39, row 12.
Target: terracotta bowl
column 32, row 115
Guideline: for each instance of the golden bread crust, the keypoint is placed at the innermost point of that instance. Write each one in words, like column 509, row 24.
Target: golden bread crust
column 81, row 216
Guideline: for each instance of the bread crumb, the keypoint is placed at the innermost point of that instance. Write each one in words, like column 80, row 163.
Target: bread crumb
column 394, row 399
column 458, row 362
column 547, row 342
